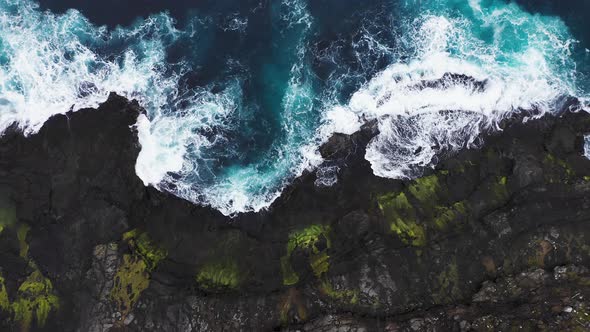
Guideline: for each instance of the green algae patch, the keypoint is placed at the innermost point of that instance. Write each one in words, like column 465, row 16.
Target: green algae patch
column 35, row 299
column 417, row 211
column 7, row 217
column 132, row 234
column 401, row 215
column 223, row 268
column 4, row 301
column 145, row 247
column 150, row 252
column 21, row 234
column 448, row 284
column 559, row 170
column 131, row 280
column 500, row 190
column 446, row 215
column 7, row 213
column 133, row 274
column 425, row 188
column 315, row 242
column 409, row 232
column 320, row 263
column 290, row 277
column 347, row 296
column 219, row 275
column 392, row 203
column 310, row 240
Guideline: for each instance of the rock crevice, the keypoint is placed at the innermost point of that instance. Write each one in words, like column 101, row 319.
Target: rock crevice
column 493, row 238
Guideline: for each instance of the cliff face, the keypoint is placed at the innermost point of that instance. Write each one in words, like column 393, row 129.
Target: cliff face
column 493, row 239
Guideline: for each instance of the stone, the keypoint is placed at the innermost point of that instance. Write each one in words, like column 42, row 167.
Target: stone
column 496, row 237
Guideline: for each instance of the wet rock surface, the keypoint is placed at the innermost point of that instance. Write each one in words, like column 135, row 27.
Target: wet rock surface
column 494, row 238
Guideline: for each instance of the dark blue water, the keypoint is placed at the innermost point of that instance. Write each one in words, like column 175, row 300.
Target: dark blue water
column 240, row 93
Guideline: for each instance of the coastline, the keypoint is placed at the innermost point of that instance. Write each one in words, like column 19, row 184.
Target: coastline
column 368, row 252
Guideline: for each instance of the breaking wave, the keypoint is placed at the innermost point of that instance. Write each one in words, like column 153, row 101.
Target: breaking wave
column 238, row 100
column 461, row 69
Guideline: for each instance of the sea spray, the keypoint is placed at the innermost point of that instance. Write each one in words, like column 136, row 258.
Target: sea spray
column 461, row 68
column 239, row 97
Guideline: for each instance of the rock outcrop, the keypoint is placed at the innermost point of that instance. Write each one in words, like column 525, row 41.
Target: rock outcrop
column 494, row 238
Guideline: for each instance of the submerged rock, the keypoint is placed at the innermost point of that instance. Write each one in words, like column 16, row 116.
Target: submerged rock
column 494, row 238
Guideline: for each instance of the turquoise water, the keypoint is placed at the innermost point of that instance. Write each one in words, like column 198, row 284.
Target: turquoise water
column 240, row 94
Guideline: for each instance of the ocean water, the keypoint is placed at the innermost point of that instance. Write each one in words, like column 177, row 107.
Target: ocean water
column 240, row 94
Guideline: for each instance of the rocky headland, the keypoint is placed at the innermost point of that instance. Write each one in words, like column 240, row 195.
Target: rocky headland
column 493, row 239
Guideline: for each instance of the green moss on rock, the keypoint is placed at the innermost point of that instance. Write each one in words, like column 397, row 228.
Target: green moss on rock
column 290, row 277
column 21, row 234
column 412, row 222
column 151, row 253
column 500, row 190
column 448, row 285
column 445, row 214
column 320, row 263
column 131, row 280
column 219, row 275
column 401, row 216
column 143, row 245
column 4, row 301
column 557, row 170
column 132, row 234
column 392, row 203
column 409, row 232
column 7, row 217
column 425, row 188
column 308, row 240
column 347, row 296
column 35, row 299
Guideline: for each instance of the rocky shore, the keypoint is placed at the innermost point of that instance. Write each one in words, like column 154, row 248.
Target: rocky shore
column 493, row 239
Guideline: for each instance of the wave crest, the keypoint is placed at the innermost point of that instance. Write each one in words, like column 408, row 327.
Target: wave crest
column 460, row 72
column 433, row 74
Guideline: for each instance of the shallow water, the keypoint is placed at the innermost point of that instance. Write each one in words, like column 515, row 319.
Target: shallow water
column 240, row 94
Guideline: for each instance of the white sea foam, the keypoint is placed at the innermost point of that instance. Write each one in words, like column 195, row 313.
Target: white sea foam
column 422, row 110
column 172, row 159
column 327, row 176
column 46, row 69
column 158, row 155
column 340, row 120
column 509, row 60
column 51, row 64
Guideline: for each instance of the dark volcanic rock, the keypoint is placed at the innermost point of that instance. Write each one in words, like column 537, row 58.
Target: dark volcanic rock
column 341, row 146
column 492, row 239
